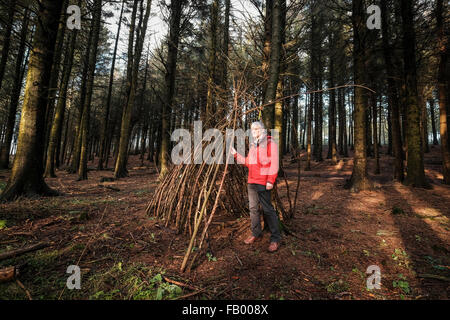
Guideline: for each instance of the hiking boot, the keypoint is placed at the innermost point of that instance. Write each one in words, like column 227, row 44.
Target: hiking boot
column 251, row 239
column 274, row 246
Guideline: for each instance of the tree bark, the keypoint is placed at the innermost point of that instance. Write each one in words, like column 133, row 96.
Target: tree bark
column 26, row 176
column 171, row 66
column 122, row 157
column 332, row 149
column 415, row 166
column 105, row 127
column 309, row 133
column 393, row 101
column 15, row 95
column 375, row 134
column 274, row 64
column 56, row 130
column 359, row 180
column 443, row 87
column 54, row 77
column 433, row 122
column 85, row 119
column 7, row 39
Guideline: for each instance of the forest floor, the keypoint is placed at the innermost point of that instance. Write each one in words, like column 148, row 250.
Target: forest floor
column 125, row 254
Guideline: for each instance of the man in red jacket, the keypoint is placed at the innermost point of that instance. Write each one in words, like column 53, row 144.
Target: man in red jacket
column 262, row 163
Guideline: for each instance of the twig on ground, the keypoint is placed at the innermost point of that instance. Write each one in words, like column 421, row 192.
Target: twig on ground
column 18, row 252
column 190, row 294
column 180, row 283
column 24, row 289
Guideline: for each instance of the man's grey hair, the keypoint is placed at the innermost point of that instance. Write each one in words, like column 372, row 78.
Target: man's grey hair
column 258, row 124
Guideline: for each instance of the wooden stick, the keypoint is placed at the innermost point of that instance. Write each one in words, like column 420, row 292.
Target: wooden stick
column 189, row 294
column 18, row 252
column 434, row 276
column 24, row 289
column 180, row 283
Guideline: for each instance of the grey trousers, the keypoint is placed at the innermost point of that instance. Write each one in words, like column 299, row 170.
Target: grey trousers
column 259, row 194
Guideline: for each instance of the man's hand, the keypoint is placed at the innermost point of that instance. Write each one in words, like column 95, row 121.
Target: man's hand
column 269, row 186
column 233, row 150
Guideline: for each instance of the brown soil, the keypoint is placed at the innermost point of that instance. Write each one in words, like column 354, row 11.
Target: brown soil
column 338, row 235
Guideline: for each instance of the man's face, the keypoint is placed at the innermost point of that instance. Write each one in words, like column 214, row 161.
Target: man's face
column 256, row 132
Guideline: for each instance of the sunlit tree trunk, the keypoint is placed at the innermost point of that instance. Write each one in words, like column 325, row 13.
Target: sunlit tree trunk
column 105, row 122
column 15, row 95
column 85, row 119
column 121, row 162
column 76, row 145
column 56, row 130
column 444, row 88
column 26, row 176
column 55, row 77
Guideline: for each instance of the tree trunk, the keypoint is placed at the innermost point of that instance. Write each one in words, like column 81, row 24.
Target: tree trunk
column 54, row 77
column 76, row 145
column 7, row 39
column 105, row 127
column 56, row 130
column 332, row 150
column 359, row 180
column 433, row 122
column 26, row 176
column 415, row 170
column 343, row 149
column 171, row 66
column 266, row 52
column 444, row 87
column 212, row 68
column 85, row 119
column 278, row 28
column 394, row 104
column 14, row 102
column 122, row 157
column 309, row 133
column 274, row 64
column 375, row 135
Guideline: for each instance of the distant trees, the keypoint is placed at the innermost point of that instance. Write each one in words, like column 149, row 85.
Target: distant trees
column 325, row 81
column 19, row 71
column 134, row 59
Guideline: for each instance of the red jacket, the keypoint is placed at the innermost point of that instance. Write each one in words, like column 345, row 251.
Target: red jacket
column 262, row 162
